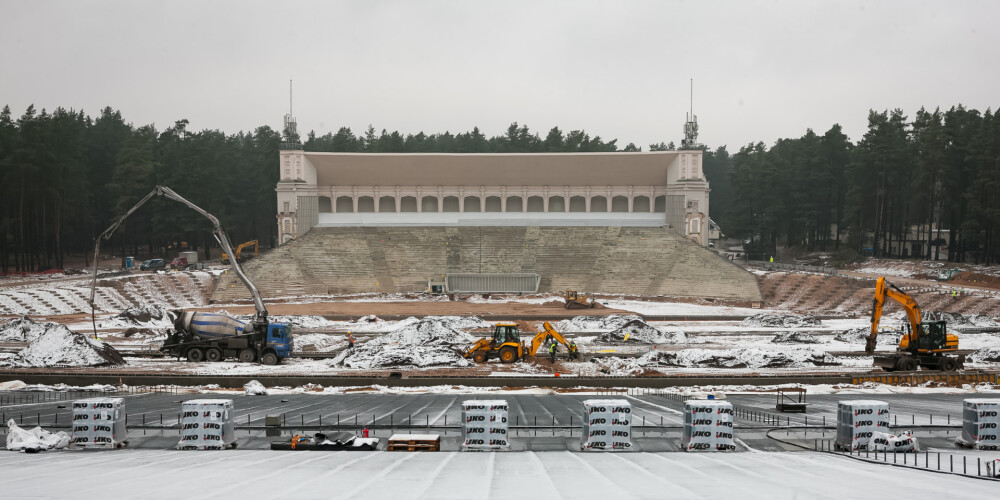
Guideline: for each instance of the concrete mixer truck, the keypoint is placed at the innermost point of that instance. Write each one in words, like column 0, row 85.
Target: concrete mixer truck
column 201, row 336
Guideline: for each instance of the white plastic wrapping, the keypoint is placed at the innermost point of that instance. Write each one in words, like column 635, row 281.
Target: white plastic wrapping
column 484, row 425
column 207, row 424
column 34, row 440
column 902, row 442
column 859, row 420
column 708, row 426
column 981, row 423
column 607, row 425
column 99, row 423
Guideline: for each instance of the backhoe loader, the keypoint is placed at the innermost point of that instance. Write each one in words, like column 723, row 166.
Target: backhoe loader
column 506, row 344
column 927, row 343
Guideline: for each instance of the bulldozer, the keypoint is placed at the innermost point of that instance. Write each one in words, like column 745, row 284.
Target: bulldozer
column 240, row 254
column 927, row 343
column 576, row 300
column 507, row 345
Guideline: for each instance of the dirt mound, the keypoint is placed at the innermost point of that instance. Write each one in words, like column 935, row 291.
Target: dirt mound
column 987, row 355
column 59, row 346
column 146, row 316
column 773, row 320
column 795, row 338
column 702, row 358
column 431, row 341
column 969, row 320
column 21, row 329
column 595, row 323
column 639, row 331
column 860, row 335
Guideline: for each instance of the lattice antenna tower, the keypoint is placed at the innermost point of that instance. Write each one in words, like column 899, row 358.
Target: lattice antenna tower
column 690, row 140
column 291, row 128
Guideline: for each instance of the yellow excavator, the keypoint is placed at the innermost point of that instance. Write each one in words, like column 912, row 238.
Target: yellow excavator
column 506, row 344
column 927, row 343
column 240, row 255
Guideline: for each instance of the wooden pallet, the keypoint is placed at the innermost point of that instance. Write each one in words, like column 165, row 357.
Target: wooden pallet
column 412, row 442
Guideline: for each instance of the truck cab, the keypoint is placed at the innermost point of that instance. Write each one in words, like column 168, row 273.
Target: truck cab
column 279, row 338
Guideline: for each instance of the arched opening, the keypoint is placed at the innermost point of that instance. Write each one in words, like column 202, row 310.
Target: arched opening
column 366, row 204
column 557, row 204
column 577, row 204
column 493, row 204
column 640, row 204
column 472, row 204
column 408, row 204
column 660, row 204
column 450, row 204
column 325, row 205
column 619, row 204
column 536, row 204
column 429, row 204
column 514, row 204
column 387, row 204
column 345, row 204
column 598, row 204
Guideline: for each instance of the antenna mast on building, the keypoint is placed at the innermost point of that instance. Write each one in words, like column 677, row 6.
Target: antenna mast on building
column 690, row 140
column 291, row 130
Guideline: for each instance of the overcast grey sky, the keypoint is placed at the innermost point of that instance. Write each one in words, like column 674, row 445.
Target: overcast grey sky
column 762, row 69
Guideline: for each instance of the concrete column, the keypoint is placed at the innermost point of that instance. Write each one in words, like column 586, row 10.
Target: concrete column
column 420, row 199
column 333, row 199
column 398, row 199
column 565, row 198
column 652, row 199
column 440, row 200
column 630, row 199
column 461, row 199
column 503, row 199
column 587, row 199
column 377, row 198
column 354, row 198
column 545, row 199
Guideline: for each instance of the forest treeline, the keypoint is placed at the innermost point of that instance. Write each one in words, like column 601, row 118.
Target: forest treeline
column 65, row 177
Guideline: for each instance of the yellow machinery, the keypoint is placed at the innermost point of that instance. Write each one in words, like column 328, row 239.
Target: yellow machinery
column 575, row 300
column 927, row 343
column 506, row 344
column 240, row 255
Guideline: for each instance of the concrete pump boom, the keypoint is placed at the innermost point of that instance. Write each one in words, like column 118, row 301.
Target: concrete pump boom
column 217, row 231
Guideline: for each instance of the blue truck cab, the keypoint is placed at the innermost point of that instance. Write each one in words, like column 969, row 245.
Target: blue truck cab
column 279, row 338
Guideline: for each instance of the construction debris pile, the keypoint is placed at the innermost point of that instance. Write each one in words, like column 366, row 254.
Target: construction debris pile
column 704, row 358
column 34, row 440
column 985, row 355
column 638, row 331
column 858, row 335
column 431, row 341
column 795, row 338
column 58, row 346
column 774, row 320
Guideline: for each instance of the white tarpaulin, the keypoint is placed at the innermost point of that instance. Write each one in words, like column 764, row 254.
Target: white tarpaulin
column 484, row 425
column 708, row 426
column 859, row 420
column 254, row 388
column 607, row 425
column 34, row 440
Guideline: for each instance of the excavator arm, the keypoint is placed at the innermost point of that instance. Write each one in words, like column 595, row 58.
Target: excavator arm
column 540, row 337
column 217, row 231
column 885, row 290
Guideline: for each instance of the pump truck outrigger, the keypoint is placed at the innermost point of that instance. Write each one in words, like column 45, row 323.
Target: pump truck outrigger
column 927, row 343
column 200, row 336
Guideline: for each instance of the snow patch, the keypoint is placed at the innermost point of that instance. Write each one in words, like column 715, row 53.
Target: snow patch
column 795, row 338
column 431, row 341
column 254, row 388
column 596, row 323
column 21, row 329
column 639, row 331
column 704, row 358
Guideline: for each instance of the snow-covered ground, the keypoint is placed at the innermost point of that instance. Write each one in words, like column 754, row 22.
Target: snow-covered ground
column 397, row 476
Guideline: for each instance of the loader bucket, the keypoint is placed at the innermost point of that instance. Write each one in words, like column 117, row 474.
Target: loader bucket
column 887, row 363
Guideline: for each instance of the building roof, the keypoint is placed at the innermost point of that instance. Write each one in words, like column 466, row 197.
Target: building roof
column 439, row 169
